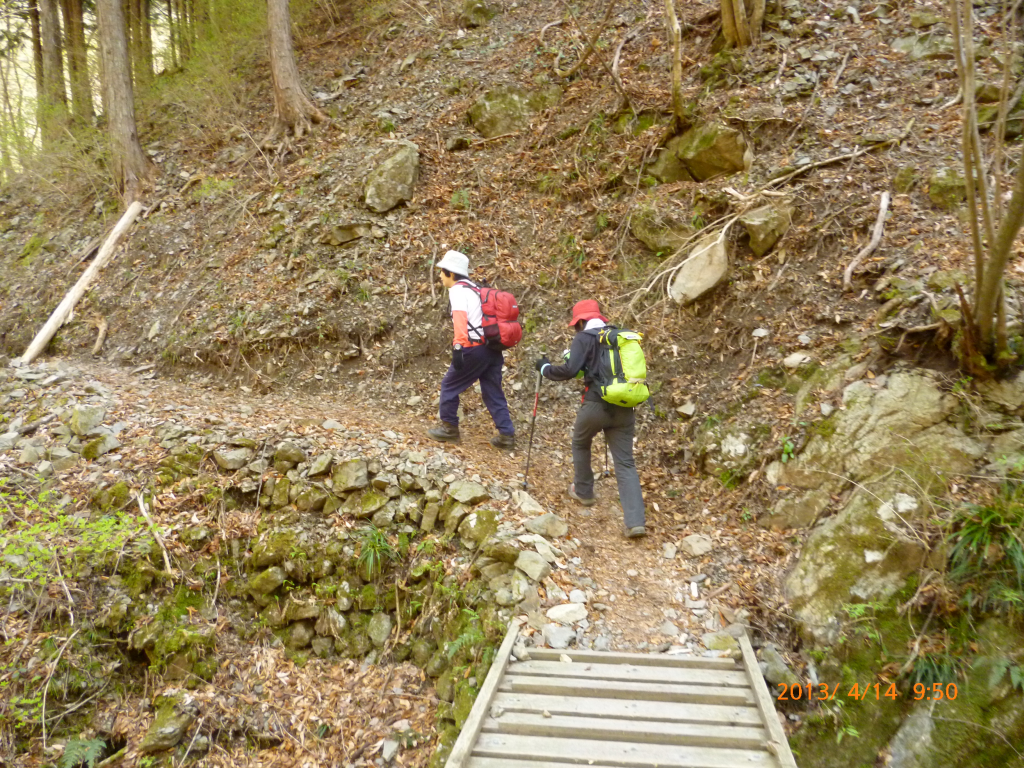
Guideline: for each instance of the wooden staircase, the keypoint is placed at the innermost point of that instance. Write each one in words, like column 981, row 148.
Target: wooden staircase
column 621, row 710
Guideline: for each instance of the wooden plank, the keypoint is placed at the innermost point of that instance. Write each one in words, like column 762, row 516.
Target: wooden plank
column 617, row 753
column 778, row 743
column 508, row 762
column 636, row 659
column 471, row 728
column 642, row 731
column 623, row 709
column 622, row 689
column 629, row 672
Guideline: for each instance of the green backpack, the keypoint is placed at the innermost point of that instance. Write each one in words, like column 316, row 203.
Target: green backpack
column 623, row 374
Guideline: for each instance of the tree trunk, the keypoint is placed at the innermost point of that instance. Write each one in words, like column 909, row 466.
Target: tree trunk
column 130, row 166
column 37, row 44
column 172, row 43
column 53, row 98
column 675, row 34
column 293, row 110
column 741, row 26
column 147, row 39
column 78, row 62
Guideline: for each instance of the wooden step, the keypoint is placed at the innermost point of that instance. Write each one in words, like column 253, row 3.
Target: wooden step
column 593, row 671
column 617, row 689
column 627, row 709
column 636, row 659
column 616, row 753
column 640, row 731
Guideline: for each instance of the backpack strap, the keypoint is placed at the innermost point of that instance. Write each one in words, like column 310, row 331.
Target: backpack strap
column 479, row 294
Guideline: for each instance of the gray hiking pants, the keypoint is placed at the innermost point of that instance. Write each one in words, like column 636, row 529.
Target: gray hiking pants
column 617, row 423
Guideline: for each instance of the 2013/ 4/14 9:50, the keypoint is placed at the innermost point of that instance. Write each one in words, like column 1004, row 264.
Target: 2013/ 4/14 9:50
column 822, row 692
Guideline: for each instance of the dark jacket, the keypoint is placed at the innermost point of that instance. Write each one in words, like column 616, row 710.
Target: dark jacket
column 584, row 355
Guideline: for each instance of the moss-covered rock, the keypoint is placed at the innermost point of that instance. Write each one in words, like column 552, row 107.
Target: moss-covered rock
column 350, row 475
column 509, row 109
column 766, row 225
column 711, row 149
column 394, row 180
column 947, row 188
column 171, row 723
column 476, row 13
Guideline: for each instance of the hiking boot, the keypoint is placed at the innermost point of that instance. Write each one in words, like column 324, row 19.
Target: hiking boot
column 504, row 442
column 446, row 433
column 585, row 502
column 636, row 532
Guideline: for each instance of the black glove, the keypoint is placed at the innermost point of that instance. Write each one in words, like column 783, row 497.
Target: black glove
column 539, row 365
column 457, row 360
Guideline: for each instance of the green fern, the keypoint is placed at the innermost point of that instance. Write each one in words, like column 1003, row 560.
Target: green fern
column 82, row 752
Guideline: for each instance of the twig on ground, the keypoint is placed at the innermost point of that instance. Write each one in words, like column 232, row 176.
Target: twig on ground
column 67, row 592
column 49, row 676
column 876, row 238
column 156, row 534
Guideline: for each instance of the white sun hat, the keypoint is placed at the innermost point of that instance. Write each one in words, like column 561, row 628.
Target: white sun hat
column 455, row 262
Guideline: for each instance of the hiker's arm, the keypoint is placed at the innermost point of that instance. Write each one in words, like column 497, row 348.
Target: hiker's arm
column 461, row 322
column 577, row 356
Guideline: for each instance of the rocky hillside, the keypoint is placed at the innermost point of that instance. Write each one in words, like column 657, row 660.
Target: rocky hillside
column 854, row 498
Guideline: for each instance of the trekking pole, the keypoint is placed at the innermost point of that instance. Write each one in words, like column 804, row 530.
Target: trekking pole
column 533, row 423
column 606, row 472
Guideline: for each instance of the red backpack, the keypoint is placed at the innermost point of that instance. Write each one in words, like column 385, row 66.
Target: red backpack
column 501, row 329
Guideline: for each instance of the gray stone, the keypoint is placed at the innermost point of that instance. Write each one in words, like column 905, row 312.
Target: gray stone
column 468, row 492
column 711, row 149
column 230, row 459
column 567, row 614
column 393, row 181
column 668, row 550
column 925, row 47
column 321, row 464
column 577, row 596
column 775, row 669
column 947, row 188
column 766, row 225
column 704, row 269
column 8, row 440
column 548, row 524
column 533, row 565
column 299, row 635
column 696, row 545
column 527, row 504
column 508, row 109
column 266, row 582
column 911, row 747
column 85, row 418
column 557, row 636
column 332, row 425
column 720, row 641
column 797, row 511
column 101, row 445
column 668, row 628
column 290, row 452
column 350, row 476
column 389, row 749
column 476, row 13
column 168, row 728
column 379, row 629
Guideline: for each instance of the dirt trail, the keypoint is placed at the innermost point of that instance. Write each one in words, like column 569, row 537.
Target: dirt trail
column 630, row 581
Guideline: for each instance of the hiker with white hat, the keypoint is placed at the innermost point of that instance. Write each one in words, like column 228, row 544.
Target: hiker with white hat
column 473, row 359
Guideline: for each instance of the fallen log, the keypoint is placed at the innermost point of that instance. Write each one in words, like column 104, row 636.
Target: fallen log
column 62, row 311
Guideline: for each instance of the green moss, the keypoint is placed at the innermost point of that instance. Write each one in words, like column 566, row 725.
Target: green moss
column 32, row 248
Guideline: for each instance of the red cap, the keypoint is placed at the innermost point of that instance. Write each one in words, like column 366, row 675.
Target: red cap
column 587, row 309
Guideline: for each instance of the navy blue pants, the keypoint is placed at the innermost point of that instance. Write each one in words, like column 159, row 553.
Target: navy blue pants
column 483, row 365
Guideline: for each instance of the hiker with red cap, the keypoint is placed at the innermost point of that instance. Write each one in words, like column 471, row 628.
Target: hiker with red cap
column 473, row 358
column 588, row 353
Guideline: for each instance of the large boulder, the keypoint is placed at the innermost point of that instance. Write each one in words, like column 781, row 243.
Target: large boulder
column 509, row 109
column 705, row 267
column 900, row 424
column 864, row 554
column 708, row 150
column 476, row 13
column 661, row 232
column 393, row 180
column 766, row 225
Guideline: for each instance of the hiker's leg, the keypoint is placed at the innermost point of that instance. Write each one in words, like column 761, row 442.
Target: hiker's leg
column 492, row 393
column 454, row 384
column 620, row 440
column 590, row 419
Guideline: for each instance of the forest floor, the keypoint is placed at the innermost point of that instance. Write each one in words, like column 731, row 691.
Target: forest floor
column 230, row 286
